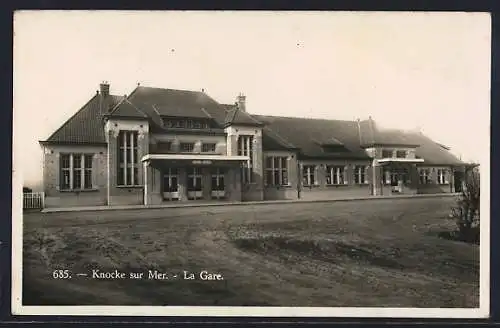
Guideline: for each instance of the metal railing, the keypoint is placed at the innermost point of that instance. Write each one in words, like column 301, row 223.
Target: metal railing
column 33, row 200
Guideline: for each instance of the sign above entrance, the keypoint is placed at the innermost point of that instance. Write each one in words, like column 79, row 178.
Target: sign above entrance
column 202, row 162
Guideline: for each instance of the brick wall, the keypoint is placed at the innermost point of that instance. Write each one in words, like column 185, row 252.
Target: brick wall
column 323, row 191
column 51, row 177
column 434, row 187
column 282, row 192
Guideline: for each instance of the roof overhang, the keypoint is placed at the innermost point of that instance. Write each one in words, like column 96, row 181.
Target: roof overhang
column 387, row 161
column 195, row 158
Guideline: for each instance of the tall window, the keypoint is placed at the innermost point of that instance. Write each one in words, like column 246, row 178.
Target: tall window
column 187, row 147
column 245, row 148
column 425, row 176
column 335, row 175
column 217, row 179
column 441, row 176
column 309, row 175
column 360, row 174
column 128, row 170
column 76, row 172
column 276, row 171
column 208, row 147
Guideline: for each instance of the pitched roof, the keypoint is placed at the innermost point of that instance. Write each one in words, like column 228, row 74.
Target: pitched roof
column 86, row 125
column 126, row 109
column 314, row 138
column 180, row 103
column 311, row 135
column 236, row 116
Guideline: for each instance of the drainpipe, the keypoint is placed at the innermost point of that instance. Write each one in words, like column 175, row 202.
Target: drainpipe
column 145, row 181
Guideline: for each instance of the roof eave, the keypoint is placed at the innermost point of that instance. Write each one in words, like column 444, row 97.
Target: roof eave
column 72, row 143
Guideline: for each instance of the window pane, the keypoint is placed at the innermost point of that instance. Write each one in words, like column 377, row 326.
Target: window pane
column 284, row 163
column 136, row 176
column 88, row 161
column 119, row 178
column 386, row 153
column 401, row 154
column 129, row 157
column 77, row 160
column 77, row 179
column 269, row 177
column 121, row 157
column 136, row 155
column 65, row 161
column 65, row 179
column 88, row 179
column 129, row 176
column 284, row 177
column 276, row 177
column 269, row 162
column 277, row 162
column 221, row 182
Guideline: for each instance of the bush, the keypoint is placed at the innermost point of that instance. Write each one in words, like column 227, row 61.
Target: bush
column 466, row 210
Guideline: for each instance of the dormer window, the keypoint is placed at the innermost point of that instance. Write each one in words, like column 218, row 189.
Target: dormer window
column 386, row 153
column 187, row 147
column 180, row 123
column 208, row 147
column 401, row 154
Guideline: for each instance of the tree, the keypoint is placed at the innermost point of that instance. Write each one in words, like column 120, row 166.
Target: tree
column 466, row 211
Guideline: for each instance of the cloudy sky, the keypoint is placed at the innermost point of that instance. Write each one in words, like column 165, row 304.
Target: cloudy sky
column 407, row 70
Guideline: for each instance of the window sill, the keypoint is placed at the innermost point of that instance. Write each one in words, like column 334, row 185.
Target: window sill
column 78, row 190
column 130, row 187
column 312, row 186
column 279, row 186
column 337, row 185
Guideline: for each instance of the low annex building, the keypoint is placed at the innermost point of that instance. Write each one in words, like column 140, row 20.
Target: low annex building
column 162, row 145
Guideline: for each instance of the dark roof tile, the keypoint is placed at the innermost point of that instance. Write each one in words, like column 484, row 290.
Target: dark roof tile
column 86, row 125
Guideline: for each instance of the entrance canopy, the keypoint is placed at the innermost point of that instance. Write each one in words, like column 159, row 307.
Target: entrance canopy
column 194, row 159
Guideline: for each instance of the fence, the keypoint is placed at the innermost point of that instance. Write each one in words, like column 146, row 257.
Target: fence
column 33, row 200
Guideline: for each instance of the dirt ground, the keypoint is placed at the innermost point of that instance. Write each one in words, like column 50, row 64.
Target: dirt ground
column 359, row 254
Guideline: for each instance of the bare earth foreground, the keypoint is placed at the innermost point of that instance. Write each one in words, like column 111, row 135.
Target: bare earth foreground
column 375, row 253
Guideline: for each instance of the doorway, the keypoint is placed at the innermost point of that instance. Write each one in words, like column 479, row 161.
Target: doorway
column 171, row 184
column 194, row 184
column 218, row 186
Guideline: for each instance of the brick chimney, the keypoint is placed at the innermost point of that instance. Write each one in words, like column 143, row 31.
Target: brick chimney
column 103, row 98
column 104, row 87
column 241, row 102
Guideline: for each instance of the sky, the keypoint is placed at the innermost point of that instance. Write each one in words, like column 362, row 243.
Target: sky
column 426, row 71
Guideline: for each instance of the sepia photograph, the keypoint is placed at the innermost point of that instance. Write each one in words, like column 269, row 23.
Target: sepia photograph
column 223, row 163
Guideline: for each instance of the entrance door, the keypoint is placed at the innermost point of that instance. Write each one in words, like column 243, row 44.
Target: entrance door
column 218, row 183
column 398, row 179
column 170, row 184
column 194, row 183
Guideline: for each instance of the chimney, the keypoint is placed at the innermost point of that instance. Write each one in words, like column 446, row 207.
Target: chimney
column 103, row 101
column 104, row 87
column 241, row 102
